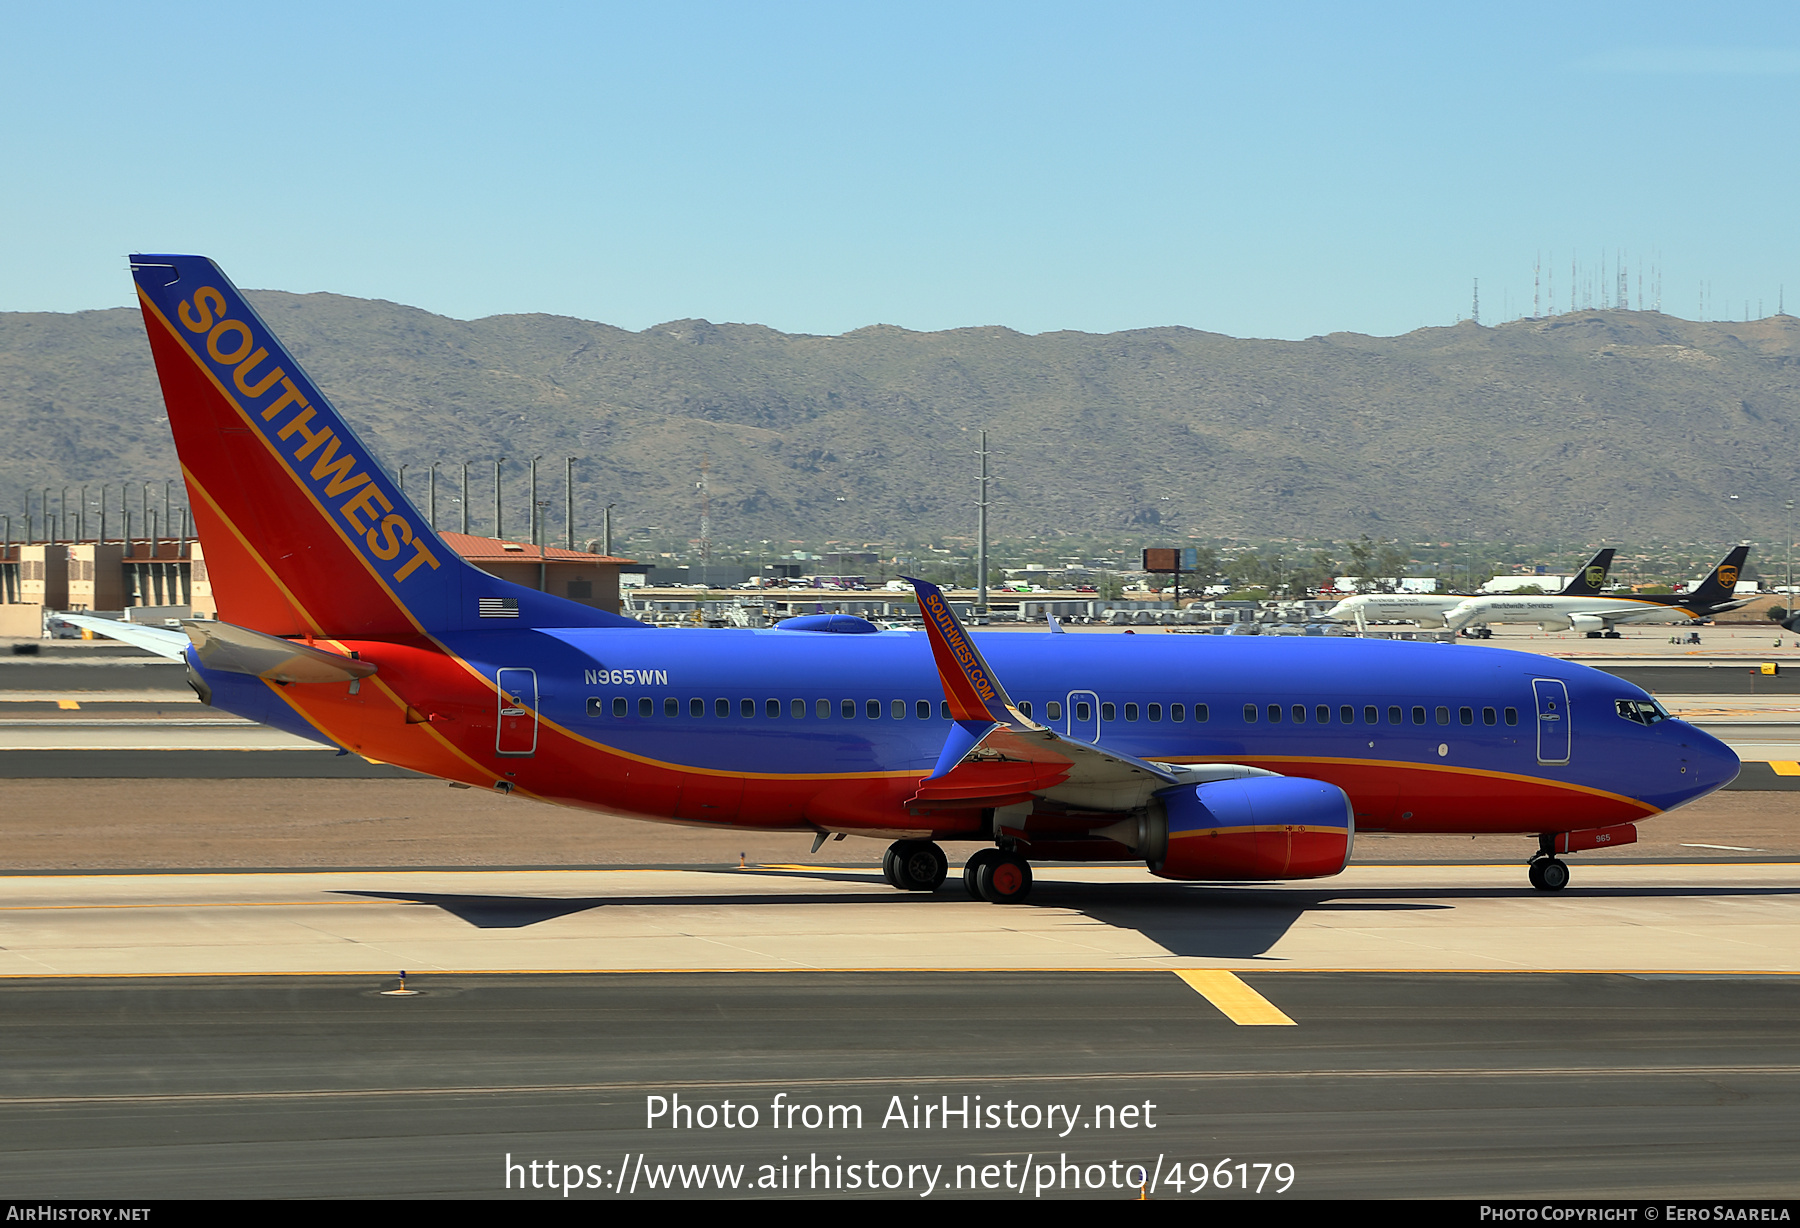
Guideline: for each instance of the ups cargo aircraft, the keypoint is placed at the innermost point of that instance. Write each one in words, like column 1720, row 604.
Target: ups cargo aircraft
column 1429, row 609
column 1599, row 616
column 344, row 619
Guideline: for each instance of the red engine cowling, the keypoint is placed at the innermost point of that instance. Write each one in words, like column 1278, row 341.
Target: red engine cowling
column 1256, row 828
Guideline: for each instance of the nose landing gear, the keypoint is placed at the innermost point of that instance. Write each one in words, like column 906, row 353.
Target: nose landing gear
column 1546, row 872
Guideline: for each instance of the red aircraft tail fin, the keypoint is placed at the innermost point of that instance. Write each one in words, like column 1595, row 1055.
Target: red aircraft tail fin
column 304, row 533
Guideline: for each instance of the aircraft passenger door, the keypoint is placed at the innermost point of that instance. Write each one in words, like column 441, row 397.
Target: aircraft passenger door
column 1084, row 716
column 515, row 732
column 1552, row 720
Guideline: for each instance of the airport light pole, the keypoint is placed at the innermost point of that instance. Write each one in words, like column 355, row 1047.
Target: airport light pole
column 606, row 529
column 1790, row 551
column 536, row 512
column 981, row 563
column 431, row 512
column 543, row 579
column 403, row 479
column 465, row 498
column 569, row 502
column 498, row 532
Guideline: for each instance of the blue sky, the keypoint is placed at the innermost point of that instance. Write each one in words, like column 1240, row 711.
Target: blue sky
column 1294, row 170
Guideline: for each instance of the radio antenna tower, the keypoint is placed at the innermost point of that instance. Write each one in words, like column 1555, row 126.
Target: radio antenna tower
column 1537, row 272
column 1475, row 314
column 1624, row 284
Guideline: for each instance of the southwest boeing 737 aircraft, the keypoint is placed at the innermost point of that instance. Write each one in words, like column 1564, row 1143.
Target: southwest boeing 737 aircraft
column 344, row 618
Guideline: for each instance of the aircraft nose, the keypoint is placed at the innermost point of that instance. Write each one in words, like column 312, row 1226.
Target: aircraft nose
column 1710, row 762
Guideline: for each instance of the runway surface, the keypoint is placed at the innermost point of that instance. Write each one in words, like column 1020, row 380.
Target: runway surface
column 1700, row 918
column 1385, row 1085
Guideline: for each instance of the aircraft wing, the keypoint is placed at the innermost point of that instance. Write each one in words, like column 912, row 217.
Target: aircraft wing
column 997, row 756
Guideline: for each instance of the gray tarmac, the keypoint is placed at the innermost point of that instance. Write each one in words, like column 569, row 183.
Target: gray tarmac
column 1387, row 1085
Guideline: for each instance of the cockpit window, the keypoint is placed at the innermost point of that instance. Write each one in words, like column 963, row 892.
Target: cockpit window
column 1642, row 711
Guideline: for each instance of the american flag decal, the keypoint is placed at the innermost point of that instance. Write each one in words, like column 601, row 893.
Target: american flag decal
column 497, row 607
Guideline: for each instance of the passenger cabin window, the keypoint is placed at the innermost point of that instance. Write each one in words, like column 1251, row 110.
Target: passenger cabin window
column 1053, row 710
column 1443, row 716
column 772, row 707
column 646, row 706
column 1323, row 714
column 1200, row 712
column 922, row 709
column 1274, row 714
column 1489, row 716
column 1512, row 716
column 823, row 708
column 1153, row 712
column 1347, row 714
column 797, row 708
column 721, row 707
column 1394, row 717
column 1178, row 712
column 1109, row 712
column 1418, row 716
column 1299, row 714
column 696, row 707
column 1371, row 715
column 618, row 705
column 1131, row 712
column 671, row 706
column 1084, row 711
column 1465, row 716
column 1249, row 714
column 873, row 709
column 847, row 709
column 899, row 709
column 746, row 707
column 944, row 708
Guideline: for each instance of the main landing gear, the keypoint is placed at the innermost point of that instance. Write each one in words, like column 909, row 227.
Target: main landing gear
column 915, row 865
column 999, row 876
column 1546, row 872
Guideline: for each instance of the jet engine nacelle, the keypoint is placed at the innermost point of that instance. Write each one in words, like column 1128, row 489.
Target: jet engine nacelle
column 1256, row 828
column 1586, row 622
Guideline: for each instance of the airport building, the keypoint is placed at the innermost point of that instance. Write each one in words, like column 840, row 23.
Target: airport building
column 154, row 580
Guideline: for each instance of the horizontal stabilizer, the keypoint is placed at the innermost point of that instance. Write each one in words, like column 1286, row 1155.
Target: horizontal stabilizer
column 238, row 650
column 159, row 640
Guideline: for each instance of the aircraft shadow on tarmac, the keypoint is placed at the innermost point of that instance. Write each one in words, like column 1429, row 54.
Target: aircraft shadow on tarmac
column 1185, row 919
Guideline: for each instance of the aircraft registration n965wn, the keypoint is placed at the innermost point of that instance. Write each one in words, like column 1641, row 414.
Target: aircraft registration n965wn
column 343, row 617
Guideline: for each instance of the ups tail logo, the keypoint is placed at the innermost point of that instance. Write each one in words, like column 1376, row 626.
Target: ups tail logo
column 1728, row 576
column 1596, row 576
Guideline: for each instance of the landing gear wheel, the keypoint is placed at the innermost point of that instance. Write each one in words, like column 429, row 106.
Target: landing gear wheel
column 1615, row 635
column 1004, row 880
column 1553, row 875
column 1593, row 635
column 1487, row 633
column 983, row 859
column 916, row 865
column 1548, row 874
